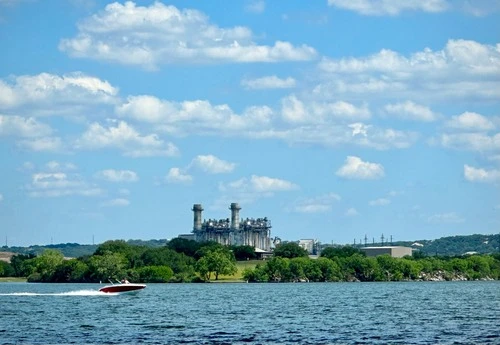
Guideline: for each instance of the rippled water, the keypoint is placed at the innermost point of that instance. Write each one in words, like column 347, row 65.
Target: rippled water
column 315, row 313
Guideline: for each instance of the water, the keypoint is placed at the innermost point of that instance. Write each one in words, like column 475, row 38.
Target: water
column 309, row 313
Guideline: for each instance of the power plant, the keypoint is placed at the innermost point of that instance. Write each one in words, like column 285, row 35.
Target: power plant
column 255, row 232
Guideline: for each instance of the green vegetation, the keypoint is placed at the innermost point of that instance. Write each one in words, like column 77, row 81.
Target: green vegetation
column 179, row 261
column 349, row 264
column 182, row 260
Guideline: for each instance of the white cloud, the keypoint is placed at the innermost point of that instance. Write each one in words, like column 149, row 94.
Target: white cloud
column 269, row 184
column 320, row 204
column 175, row 175
column 48, row 94
column 351, row 212
column 355, row 168
column 255, row 6
column 269, row 82
column 248, row 190
column 463, row 70
column 390, row 7
column 118, row 202
column 410, row 111
column 480, row 142
column 112, row 175
column 46, row 144
column 162, row 34
column 380, row 202
column 198, row 117
column 125, row 138
column 23, row 127
column 1, row 197
column 296, row 111
column 471, row 121
column 56, row 166
column 450, row 217
column 481, row 175
column 58, row 184
column 212, row 164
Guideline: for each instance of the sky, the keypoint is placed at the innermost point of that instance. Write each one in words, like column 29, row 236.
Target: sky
column 336, row 119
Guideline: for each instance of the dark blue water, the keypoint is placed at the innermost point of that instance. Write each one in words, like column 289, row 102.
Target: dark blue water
column 309, row 313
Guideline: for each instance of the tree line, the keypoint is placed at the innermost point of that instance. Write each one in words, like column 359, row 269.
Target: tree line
column 178, row 261
column 182, row 260
column 292, row 264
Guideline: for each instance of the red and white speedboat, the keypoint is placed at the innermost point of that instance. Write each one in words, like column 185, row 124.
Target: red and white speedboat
column 120, row 288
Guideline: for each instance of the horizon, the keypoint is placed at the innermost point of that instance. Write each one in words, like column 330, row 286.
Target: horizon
column 328, row 117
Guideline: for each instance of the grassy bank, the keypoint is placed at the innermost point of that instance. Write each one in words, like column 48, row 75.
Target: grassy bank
column 12, row 280
column 238, row 276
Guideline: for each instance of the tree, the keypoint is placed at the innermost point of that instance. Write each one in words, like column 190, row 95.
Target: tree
column 182, row 245
column 107, row 266
column 289, row 250
column 218, row 262
column 340, row 252
column 155, row 274
column 71, row 271
column 244, row 252
column 44, row 266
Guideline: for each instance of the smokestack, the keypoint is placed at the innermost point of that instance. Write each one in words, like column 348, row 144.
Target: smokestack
column 197, row 209
column 235, row 215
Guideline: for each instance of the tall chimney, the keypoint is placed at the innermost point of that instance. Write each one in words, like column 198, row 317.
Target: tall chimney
column 235, row 216
column 197, row 209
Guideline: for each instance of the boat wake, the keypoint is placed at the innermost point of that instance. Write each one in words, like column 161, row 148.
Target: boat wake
column 68, row 293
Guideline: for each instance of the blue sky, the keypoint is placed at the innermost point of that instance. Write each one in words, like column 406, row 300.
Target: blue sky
column 335, row 119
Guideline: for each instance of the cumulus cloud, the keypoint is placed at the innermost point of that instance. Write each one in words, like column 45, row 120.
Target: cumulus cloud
column 255, row 6
column 396, row 7
column 48, row 94
column 481, row 175
column 118, row 202
column 198, row 117
column 355, row 168
column 471, row 121
column 479, row 142
column 23, row 127
column 112, row 175
column 124, row 137
column 161, row 34
column 212, row 164
column 269, row 82
column 351, row 212
column 175, row 175
column 46, row 144
column 462, row 70
column 57, row 166
column 59, row 184
column 410, row 111
column 320, row 204
column 390, row 7
column 296, row 111
column 248, row 190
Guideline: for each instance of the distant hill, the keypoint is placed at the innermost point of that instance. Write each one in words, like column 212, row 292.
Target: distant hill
column 75, row 250
column 456, row 245
column 445, row 246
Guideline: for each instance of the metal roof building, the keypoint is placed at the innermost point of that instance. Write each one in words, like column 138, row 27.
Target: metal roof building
column 394, row 251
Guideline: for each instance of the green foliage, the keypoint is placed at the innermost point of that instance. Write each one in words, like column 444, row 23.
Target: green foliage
column 244, row 252
column 217, row 261
column 6, row 269
column 155, row 274
column 289, row 250
column 71, row 271
column 165, row 256
column 340, row 252
column 184, row 246
column 108, row 266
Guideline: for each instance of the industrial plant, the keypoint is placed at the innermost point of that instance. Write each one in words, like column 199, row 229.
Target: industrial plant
column 255, row 232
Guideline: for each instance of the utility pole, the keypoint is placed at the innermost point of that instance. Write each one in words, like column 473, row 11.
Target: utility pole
column 382, row 239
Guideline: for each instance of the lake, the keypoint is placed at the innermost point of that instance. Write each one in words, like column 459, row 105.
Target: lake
column 303, row 313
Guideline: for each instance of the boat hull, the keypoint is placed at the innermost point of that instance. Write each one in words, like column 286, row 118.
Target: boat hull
column 122, row 288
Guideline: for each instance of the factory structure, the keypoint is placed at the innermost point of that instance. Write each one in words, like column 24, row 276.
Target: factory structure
column 255, row 232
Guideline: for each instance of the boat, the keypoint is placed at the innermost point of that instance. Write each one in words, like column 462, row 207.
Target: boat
column 122, row 287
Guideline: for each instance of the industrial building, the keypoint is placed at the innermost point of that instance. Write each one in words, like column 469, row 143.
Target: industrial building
column 394, row 251
column 255, row 232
